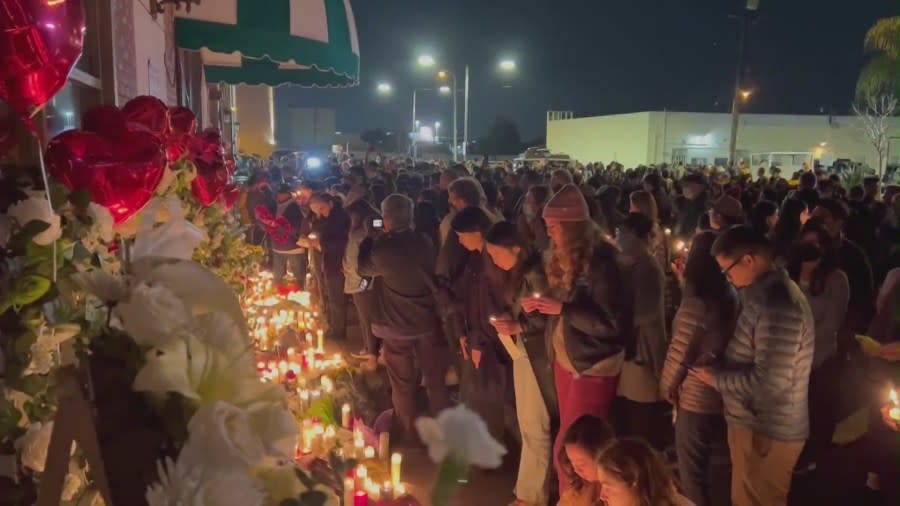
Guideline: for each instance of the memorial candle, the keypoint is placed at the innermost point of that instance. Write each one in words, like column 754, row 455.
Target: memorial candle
column 384, row 446
column 361, row 498
column 396, row 461
column 345, row 416
column 894, row 413
column 349, row 490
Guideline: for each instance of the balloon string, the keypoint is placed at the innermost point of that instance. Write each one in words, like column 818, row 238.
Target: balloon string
column 49, row 200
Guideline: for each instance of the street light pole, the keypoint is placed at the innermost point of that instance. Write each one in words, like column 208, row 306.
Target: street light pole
column 465, row 148
column 746, row 15
column 415, row 149
column 455, row 114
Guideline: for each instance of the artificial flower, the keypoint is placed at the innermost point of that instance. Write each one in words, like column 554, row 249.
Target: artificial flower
column 153, row 315
column 46, row 344
column 222, row 333
column 276, row 427
column 37, row 209
column 461, row 432
column 181, row 484
column 221, row 436
column 175, row 238
column 103, row 222
column 280, row 482
column 201, row 373
column 102, row 285
column 33, row 445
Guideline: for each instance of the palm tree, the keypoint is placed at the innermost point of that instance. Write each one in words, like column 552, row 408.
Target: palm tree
column 882, row 74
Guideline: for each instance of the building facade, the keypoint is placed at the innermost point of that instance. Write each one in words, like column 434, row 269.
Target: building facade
column 702, row 138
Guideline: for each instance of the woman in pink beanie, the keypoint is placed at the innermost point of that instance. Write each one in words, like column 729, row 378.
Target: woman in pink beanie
column 588, row 310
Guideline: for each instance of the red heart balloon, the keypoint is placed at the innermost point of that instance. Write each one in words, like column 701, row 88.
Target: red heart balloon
column 121, row 174
column 149, row 114
column 230, row 196
column 213, row 175
column 40, row 41
column 182, row 120
column 106, row 120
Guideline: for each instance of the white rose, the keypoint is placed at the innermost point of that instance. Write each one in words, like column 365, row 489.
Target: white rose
column 460, row 431
column 221, row 332
column 34, row 208
column 276, row 428
column 222, row 437
column 153, row 315
column 32, row 446
column 103, row 222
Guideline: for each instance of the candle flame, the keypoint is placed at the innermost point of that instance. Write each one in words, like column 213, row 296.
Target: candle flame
column 894, row 398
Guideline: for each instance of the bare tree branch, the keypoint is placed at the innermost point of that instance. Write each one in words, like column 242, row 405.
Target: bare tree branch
column 876, row 117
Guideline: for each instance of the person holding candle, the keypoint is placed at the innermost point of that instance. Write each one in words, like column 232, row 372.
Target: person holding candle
column 407, row 315
column 361, row 289
column 764, row 375
column 536, row 406
column 589, row 319
column 703, row 325
column 332, row 229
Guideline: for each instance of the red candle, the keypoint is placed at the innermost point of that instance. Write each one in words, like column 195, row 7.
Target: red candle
column 361, row 498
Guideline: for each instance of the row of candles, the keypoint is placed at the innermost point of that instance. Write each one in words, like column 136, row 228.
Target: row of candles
column 301, row 370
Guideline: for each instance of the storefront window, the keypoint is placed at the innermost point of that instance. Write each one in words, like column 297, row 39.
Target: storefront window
column 65, row 109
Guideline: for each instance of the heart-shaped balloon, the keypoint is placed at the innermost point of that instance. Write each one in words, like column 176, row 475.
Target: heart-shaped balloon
column 182, row 127
column 213, row 176
column 149, row 114
column 40, row 41
column 106, row 120
column 121, row 174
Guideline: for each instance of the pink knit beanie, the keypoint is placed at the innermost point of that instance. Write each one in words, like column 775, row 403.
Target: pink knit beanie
column 567, row 205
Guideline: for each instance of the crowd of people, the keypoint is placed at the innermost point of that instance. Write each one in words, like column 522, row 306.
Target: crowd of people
column 624, row 319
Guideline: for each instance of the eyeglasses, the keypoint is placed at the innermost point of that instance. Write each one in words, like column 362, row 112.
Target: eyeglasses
column 732, row 266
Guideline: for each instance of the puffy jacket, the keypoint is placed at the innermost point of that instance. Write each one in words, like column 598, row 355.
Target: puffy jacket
column 764, row 380
column 698, row 332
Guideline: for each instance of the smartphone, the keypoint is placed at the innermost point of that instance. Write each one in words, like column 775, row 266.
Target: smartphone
column 378, row 223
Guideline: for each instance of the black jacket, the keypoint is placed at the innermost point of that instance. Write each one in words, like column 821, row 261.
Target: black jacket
column 405, row 262
column 333, row 231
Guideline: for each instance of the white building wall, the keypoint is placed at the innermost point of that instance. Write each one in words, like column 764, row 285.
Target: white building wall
column 705, row 136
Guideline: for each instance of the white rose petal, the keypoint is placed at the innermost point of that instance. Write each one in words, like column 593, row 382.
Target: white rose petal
column 153, row 315
column 461, row 431
column 103, row 222
column 32, row 209
column 276, row 427
column 222, row 333
column 32, row 446
column 103, row 285
column 222, row 437
column 183, row 485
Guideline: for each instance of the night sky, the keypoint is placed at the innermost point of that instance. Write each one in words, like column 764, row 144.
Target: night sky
column 598, row 57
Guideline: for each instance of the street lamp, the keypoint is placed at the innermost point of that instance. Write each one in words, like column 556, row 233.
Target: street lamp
column 507, row 65
column 444, row 89
column 426, row 60
column 745, row 94
column 437, row 127
column 384, row 88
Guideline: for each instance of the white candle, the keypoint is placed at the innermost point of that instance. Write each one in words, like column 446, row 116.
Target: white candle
column 396, row 461
column 345, row 416
column 369, row 452
column 320, row 341
column 349, row 489
column 384, row 446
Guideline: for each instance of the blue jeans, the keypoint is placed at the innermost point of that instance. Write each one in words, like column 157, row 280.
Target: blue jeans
column 704, row 464
column 297, row 262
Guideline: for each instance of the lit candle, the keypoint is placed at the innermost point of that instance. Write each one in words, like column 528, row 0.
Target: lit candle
column 304, row 399
column 349, row 489
column 330, row 434
column 387, row 492
column 358, row 445
column 668, row 231
column 894, row 413
column 362, row 473
column 320, row 341
column 400, row 490
column 369, row 452
column 308, row 340
column 345, row 416
column 536, row 295
column 396, row 461
column 384, row 446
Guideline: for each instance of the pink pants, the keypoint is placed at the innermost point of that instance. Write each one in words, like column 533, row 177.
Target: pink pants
column 579, row 395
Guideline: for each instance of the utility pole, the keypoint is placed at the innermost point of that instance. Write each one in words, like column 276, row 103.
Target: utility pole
column 465, row 146
column 415, row 134
column 746, row 16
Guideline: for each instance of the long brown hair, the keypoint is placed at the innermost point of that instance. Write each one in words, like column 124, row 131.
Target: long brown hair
column 636, row 464
column 567, row 261
column 590, row 433
column 645, row 204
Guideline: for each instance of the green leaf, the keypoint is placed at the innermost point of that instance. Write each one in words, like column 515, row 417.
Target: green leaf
column 25, row 290
column 59, row 194
column 9, row 417
column 80, row 199
column 323, row 410
column 23, row 237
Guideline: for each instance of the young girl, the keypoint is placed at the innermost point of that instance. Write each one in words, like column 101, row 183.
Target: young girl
column 630, row 473
column 578, row 460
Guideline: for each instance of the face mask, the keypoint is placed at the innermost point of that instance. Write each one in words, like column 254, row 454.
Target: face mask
column 808, row 252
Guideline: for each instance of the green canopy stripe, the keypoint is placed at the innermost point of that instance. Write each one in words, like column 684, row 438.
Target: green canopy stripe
column 255, row 72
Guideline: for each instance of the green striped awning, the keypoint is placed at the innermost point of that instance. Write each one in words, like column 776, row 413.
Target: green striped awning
column 274, row 42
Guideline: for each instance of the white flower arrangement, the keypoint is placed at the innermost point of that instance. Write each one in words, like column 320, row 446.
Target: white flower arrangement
column 37, row 209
